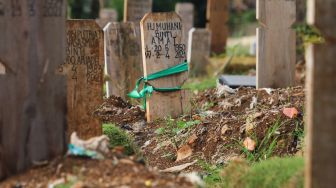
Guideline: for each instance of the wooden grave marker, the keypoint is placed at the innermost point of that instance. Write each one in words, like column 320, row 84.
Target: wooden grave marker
column 32, row 95
column 107, row 15
column 320, row 153
column 135, row 10
column 162, row 46
column 217, row 17
column 276, row 45
column 199, row 51
column 84, row 67
column 122, row 58
column 186, row 12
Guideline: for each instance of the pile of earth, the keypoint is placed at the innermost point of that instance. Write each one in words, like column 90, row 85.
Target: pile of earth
column 223, row 125
column 113, row 171
column 116, row 110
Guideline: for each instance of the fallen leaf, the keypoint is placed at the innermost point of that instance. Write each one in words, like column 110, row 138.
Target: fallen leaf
column 184, row 152
column 179, row 167
column 192, row 139
column 290, row 112
column 249, row 144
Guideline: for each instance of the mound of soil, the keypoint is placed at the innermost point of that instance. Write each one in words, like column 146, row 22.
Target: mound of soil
column 116, row 110
column 224, row 121
column 110, row 172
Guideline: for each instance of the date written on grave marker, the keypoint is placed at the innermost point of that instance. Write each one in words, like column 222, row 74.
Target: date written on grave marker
column 165, row 35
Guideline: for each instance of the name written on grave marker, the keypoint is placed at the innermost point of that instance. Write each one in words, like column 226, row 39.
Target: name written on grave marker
column 80, row 42
column 164, row 37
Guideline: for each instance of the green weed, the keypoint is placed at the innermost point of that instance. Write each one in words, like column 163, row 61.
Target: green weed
column 265, row 147
column 201, row 84
column 119, row 137
column 272, row 173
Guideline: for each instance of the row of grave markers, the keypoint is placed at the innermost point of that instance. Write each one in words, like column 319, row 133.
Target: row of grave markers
column 33, row 96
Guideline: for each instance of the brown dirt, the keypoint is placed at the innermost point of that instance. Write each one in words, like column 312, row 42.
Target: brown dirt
column 213, row 113
column 214, row 147
column 110, row 172
column 116, row 110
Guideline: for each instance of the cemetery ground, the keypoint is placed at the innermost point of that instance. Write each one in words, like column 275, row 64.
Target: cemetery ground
column 232, row 138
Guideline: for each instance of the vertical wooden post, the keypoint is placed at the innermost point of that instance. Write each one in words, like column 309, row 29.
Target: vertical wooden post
column 122, row 58
column 135, row 10
column 162, row 46
column 199, row 51
column 107, row 15
column 321, row 96
column 276, row 43
column 186, row 12
column 32, row 95
column 217, row 17
column 84, row 67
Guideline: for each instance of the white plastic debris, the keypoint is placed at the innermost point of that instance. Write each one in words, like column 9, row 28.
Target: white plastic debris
column 268, row 90
column 253, row 103
column 99, row 144
column 194, row 178
column 224, row 89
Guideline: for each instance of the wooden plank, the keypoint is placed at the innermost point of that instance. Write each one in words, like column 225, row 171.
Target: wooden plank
column 199, row 51
column 321, row 102
column 122, row 58
column 162, row 44
column 186, row 12
column 107, row 15
column 32, row 96
column 276, row 44
column 217, row 17
column 84, row 68
column 135, row 10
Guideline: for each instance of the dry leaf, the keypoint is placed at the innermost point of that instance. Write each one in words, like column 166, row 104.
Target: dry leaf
column 179, row 167
column 192, row 139
column 184, row 152
column 290, row 112
column 249, row 144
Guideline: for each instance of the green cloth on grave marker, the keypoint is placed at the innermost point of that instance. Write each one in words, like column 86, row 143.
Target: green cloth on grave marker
column 148, row 89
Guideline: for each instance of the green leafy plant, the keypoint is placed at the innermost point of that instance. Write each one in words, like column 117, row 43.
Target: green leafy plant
column 119, row 137
column 265, row 147
column 173, row 127
column 201, row 84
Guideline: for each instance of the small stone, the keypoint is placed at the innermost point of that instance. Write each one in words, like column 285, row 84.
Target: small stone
column 224, row 129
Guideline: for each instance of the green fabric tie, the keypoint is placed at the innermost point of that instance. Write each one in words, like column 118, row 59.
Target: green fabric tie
column 148, row 89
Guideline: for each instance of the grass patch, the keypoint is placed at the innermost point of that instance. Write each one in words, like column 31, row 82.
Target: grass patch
column 272, row 173
column 266, row 146
column 119, row 137
column 201, row 84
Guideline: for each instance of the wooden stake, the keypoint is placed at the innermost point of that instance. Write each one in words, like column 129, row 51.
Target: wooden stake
column 162, row 46
column 32, row 96
column 84, row 67
column 122, row 58
column 321, row 98
column 217, row 17
column 276, row 43
column 199, row 51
